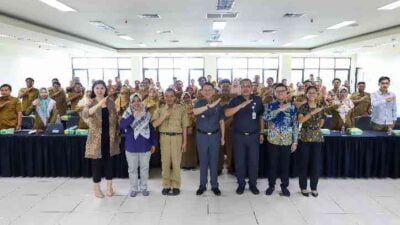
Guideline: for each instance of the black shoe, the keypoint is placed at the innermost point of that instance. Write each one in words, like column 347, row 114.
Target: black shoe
column 314, row 194
column 200, row 191
column 269, row 191
column 165, row 191
column 216, row 191
column 175, row 192
column 254, row 190
column 285, row 192
column 240, row 190
column 305, row 193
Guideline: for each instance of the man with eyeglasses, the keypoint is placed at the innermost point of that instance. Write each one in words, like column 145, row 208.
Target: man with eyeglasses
column 384, row 109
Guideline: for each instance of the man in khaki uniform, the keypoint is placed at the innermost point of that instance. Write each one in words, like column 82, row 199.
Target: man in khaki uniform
column 10, row 109
column 172, row 121
column 226, row 149
column 28, row 95
column 361, row 100
column 58, row 95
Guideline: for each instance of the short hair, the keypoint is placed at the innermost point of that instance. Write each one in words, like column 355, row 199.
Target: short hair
column 209, row 84
column 56, row 79
column 225, row 81
column 246, row 80
column 270, row 78
column 338, row 79
column 201, row 78
column 77, row 83
column 280, row 85
column 384, row 78
column 146, row 79
column 57, row 83
column 6, row 85
column 30, row 78
column 307, row 81
column 361, row 82
column 311, row 87
column 170, row 90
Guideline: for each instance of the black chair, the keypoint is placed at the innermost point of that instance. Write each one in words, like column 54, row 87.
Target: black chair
column 73, row 121
column 363, row 123
column 55, row 128
column 327, row 122
column 27, row 122
column 397, row 125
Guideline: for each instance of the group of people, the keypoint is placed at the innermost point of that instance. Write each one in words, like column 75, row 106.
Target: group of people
column 210, row 125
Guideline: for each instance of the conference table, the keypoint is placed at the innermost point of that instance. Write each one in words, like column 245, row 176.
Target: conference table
column 372, row 154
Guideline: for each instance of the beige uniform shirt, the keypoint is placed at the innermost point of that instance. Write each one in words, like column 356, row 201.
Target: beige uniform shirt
column 27, row 100
column 175, row 122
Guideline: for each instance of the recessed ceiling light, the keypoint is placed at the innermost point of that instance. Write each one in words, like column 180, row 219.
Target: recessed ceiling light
column 4, row 36
column 214, row 44
column 174, row 41
column 309, row 37
column 219, row 25
column 342, row 24
column 126, row 37
column 288, row 44
column 142, row 45
column 390, row 6
column 101, row 25
column 58, row 5
column 257, row 40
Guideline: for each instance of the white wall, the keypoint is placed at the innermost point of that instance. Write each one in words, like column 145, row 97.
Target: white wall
column 17, row 63
column 385, row 62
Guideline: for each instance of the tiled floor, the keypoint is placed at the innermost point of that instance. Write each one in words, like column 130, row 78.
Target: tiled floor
column 70, row 201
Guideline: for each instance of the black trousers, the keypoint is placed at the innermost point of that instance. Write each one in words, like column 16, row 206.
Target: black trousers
column 310, row 163
column 279, row 163
column 246, row 151
column 100, row 166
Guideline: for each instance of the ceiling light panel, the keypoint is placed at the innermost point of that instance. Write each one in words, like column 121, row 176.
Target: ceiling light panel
column 219, row 25
column 391, row 6
column 342, row 24
column 58, row 5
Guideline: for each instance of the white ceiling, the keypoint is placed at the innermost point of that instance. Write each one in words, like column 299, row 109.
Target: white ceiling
column 186, row 18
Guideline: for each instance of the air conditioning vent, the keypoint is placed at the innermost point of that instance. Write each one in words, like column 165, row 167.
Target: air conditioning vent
column 225, row 4
column 227, row 15
column 268, row 31
column 149, row 16
column 102, row 25
column 293, row 15
column 164, row 32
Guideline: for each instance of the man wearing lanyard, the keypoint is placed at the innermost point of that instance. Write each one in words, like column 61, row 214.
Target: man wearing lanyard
column 248, row 127
column 210, row 134
column 283, row 129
